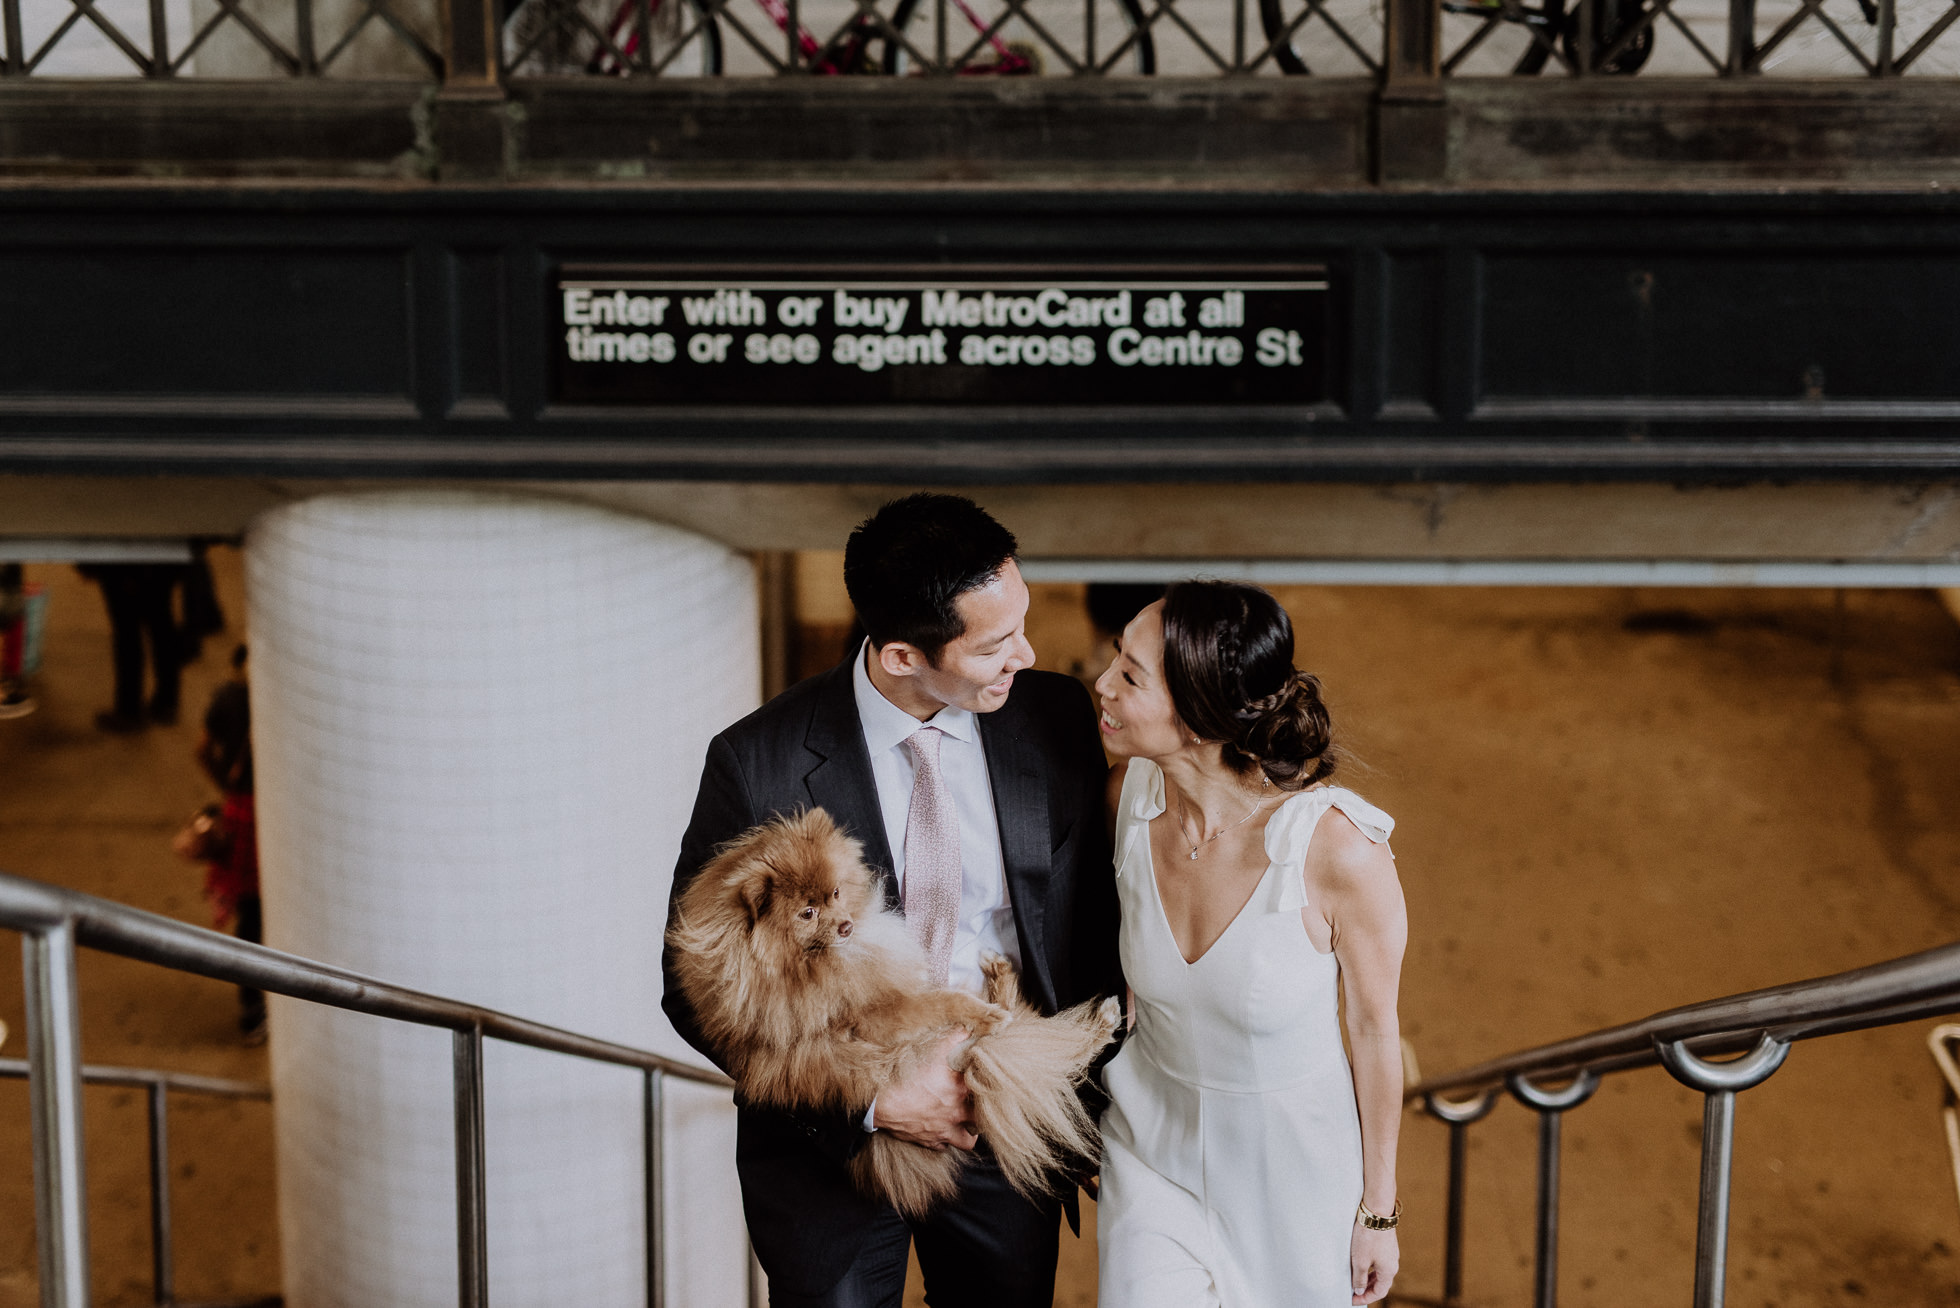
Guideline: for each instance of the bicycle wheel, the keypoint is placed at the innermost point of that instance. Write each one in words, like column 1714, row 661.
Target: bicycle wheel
column 1610, row 21
column 897, row 61
column 1285, row 54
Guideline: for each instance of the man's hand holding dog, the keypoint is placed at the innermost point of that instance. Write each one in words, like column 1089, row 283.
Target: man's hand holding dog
column 932, row 1107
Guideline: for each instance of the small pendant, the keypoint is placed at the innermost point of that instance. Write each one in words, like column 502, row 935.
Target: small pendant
column 1194, row 853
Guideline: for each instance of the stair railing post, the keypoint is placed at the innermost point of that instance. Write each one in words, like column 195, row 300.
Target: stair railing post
column 653, row 1090
column 54, row 1078
column 472, row 1209
column 1459, row 1116
column 1718, row 1083
column 162, row 1274
column 1550, row 1106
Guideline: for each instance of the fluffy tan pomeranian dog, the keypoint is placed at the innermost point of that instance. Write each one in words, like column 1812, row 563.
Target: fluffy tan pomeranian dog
column 817, row 995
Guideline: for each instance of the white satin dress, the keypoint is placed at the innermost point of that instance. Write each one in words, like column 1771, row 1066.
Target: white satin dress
column 1232, row 1146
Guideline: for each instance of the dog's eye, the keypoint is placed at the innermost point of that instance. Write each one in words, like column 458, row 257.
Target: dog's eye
column 808, row 914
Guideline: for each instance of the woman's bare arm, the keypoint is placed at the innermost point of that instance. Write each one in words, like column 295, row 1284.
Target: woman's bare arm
column 1362, row 899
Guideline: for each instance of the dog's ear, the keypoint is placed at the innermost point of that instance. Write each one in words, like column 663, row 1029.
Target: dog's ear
column 756, row 890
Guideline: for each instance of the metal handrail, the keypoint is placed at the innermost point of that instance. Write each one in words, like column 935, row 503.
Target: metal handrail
column 1759, row 1025
column 54, row 921
column 157, row 1086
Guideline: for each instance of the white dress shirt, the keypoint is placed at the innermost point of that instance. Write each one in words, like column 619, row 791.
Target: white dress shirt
column 986, row 922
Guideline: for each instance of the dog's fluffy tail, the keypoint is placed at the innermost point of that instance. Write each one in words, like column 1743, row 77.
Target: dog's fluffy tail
column 1024, row 1075
column 912, row 1179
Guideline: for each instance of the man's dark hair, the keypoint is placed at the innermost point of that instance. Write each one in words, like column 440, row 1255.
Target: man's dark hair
column 906, row 564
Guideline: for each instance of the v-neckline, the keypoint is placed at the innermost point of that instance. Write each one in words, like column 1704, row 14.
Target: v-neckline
column 1164, row 918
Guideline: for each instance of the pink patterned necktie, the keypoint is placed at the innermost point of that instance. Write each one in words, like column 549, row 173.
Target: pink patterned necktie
column 932, row 856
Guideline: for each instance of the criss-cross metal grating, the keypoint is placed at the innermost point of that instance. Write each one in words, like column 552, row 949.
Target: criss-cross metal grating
column 260, row 39
column 221, row 38
column 928, row 38
column 1805, row 38
column 1879, row 38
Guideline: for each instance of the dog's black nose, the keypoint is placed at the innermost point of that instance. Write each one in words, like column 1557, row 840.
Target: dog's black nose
column 843, row 929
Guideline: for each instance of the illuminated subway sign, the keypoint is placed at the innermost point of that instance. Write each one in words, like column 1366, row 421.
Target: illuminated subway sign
column 635, row 337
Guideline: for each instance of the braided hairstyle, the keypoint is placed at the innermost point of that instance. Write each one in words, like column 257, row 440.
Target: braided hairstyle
column 1228, row 664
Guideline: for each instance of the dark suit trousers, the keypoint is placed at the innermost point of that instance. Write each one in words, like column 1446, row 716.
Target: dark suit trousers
column 988, row 1248
column 138, row 597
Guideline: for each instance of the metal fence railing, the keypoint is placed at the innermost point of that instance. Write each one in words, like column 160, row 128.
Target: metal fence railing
column 939, row 38
column 476, row 45
column 1759, row 1026
column 54, row 923
column 1726, row 38
column 157, row 1088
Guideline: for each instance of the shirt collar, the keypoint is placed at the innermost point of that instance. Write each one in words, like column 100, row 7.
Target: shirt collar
column 886, row 725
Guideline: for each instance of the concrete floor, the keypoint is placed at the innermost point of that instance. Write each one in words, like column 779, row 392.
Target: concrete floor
column 1610, row 803
column 97, row 813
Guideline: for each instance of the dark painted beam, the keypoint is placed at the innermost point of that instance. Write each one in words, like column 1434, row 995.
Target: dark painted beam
column 1301, row 133
column 408, row 331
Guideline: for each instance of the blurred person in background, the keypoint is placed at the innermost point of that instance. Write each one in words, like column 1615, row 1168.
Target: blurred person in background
column 15, row 702
column 202, row 614
column 138, row 597
column 224, row 837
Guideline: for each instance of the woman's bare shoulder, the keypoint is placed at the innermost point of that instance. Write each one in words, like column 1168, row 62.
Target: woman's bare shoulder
column 1342, row 855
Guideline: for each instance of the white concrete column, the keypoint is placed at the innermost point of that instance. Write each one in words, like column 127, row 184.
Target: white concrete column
column 479, row 723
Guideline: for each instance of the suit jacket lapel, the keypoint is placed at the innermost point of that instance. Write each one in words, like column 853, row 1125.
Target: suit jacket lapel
column 841, row 782
column 1021, row 808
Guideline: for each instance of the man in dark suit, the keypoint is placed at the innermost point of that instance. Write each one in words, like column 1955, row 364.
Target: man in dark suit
column 976, row 785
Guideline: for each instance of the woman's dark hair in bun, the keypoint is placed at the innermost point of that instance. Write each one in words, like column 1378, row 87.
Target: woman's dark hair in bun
column 1228, row 663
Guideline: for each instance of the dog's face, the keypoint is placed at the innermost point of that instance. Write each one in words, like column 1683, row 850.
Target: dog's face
column 803, row 883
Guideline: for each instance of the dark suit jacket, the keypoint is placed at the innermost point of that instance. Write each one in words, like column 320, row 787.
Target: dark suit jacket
column 805, row 748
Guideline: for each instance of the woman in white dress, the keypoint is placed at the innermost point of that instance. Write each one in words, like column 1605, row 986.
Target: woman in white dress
column 1246, row 1163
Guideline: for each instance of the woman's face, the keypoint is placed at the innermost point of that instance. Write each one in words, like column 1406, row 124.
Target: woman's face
column 1137, row 718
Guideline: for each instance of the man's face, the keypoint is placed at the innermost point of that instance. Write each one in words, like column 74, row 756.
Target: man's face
column 976, row 671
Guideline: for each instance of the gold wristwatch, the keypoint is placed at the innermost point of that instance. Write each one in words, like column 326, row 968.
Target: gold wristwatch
column 1376, row 1222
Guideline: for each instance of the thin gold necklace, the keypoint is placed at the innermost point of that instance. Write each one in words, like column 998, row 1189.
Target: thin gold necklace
column 1257, row 800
